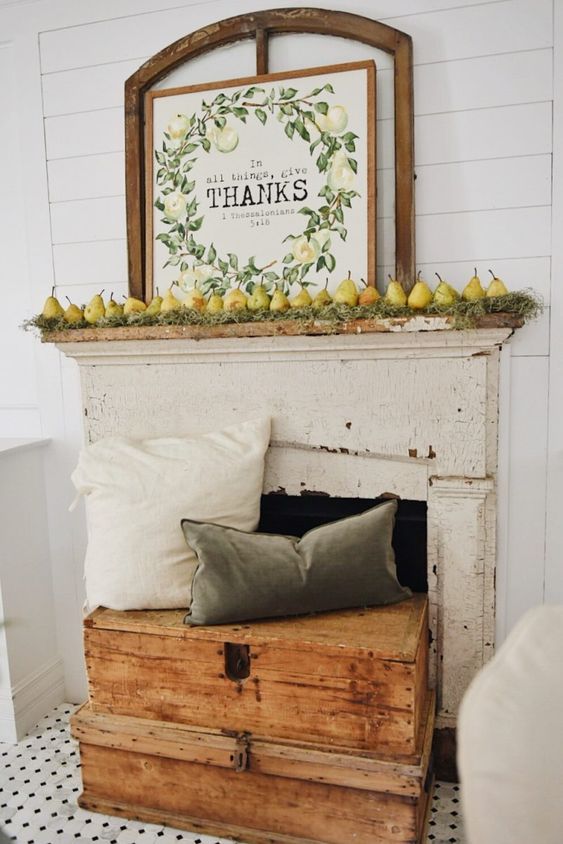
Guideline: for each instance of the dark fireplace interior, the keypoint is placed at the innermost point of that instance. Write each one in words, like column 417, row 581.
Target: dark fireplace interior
column 296, row 514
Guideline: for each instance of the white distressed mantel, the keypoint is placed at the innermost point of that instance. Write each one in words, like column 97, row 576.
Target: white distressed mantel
column 412, row 414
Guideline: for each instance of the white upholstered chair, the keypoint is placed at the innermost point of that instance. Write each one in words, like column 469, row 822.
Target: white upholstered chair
column 510, row 738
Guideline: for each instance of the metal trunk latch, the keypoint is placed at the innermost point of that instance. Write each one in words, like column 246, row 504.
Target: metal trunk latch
column 237, row 661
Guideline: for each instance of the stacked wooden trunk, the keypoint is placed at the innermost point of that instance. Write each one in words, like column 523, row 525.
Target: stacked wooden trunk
column 311, row 729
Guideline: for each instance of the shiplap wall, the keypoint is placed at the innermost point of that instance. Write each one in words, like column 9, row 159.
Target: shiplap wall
column 483, row 128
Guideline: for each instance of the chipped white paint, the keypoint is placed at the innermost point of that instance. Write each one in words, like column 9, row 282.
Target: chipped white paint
column 413, row 415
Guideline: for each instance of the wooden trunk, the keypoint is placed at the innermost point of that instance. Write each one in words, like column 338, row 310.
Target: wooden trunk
column 357, row 679
column 251, row 789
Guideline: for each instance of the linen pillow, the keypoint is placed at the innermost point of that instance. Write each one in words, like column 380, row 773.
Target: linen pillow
column 348, row 563
column 137, row 492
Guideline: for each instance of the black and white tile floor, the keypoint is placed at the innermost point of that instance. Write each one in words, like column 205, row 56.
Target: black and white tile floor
column 40, row 782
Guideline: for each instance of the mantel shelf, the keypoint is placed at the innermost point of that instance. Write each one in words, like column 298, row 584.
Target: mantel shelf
column 284, row 328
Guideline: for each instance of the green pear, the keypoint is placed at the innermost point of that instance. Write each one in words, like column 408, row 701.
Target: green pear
column 302, row 300
column 259, row 299
column 194, row 299
column 235, row 300
column 214, row 304
column 445, row 295
column 346, row 293
column 113, row 308
column 420, row 296
column 473, row 289
column 279, row 302
column 52, row 307
column 323, row 298
column 169, row 303
column 133, row 306
column 497, row 287
column 155, row 305
column 369, row 294
column 73, row 313
column 95, row 309
column 395, row 295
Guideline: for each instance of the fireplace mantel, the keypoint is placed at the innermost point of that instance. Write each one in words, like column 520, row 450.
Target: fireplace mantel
column 412, row 414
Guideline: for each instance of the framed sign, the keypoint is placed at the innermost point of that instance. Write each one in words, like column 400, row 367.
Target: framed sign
column 269, row 178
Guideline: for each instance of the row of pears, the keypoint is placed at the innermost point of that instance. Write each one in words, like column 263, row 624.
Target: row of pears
column 347, row 293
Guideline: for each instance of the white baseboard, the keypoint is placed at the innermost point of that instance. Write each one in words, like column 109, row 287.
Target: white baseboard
column 30, row 699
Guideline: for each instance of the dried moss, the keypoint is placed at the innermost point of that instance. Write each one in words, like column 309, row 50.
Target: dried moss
column 524, row 303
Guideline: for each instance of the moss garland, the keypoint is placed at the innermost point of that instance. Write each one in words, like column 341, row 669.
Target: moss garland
column 524, row 303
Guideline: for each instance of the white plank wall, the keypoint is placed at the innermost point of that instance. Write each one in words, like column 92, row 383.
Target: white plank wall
column 483, row 129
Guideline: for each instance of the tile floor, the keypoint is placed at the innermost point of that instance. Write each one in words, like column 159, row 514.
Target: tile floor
column 40, row 781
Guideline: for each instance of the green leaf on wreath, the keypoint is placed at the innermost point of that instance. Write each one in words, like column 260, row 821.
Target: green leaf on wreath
column 289, row 130
column 322, row 162
column 220, row 122
column 353, row 165
column 300, row 126
column 288, row 93
column 330, row 261
column 211, row 254
column 322, row 108
column 233, row 260
column 206, row 144
column 195, row 225
column 261, row 115
column 223, row 266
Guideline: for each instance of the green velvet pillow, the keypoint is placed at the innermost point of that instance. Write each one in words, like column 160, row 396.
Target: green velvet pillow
column 240, row 576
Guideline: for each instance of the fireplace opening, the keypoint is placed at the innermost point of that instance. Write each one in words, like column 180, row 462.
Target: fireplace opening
column 296, row 514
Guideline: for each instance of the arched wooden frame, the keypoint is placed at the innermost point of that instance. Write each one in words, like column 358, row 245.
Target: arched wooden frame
column 260, row 25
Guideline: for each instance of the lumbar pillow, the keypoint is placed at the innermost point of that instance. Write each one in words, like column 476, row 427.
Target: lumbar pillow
column 137, row 492
column 240, row 576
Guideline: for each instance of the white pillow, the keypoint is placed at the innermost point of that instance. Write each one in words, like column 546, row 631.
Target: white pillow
column 138, row 491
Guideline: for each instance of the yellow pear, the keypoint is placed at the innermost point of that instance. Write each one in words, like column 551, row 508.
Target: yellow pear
column 323, row 298
column 259, row 299
column 133, row 306
column 473, row 289
column 73, row 313
column 113, row 308
column 497, row 287
column 214, row 304
column 346, row 293
column 395, row 295
column 155, row 304
column 52, row 307
column 169, row 302
column 279, row 302
column 420, row 296
column 235, row 300
column 369, row 294
column 445, row 295
column 302, row 300
column 194, row 299
column 95, row 309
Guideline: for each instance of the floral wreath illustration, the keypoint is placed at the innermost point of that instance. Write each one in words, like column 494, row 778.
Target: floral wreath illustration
column 314, row 121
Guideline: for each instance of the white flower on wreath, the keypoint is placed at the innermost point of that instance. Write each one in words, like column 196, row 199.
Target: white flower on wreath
column 305, row 251
column 190, row 277
column 334, row 121
column 321, row 237
column 175, row 204
column 225, row 139
column 340, row 176
column 178, row 127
